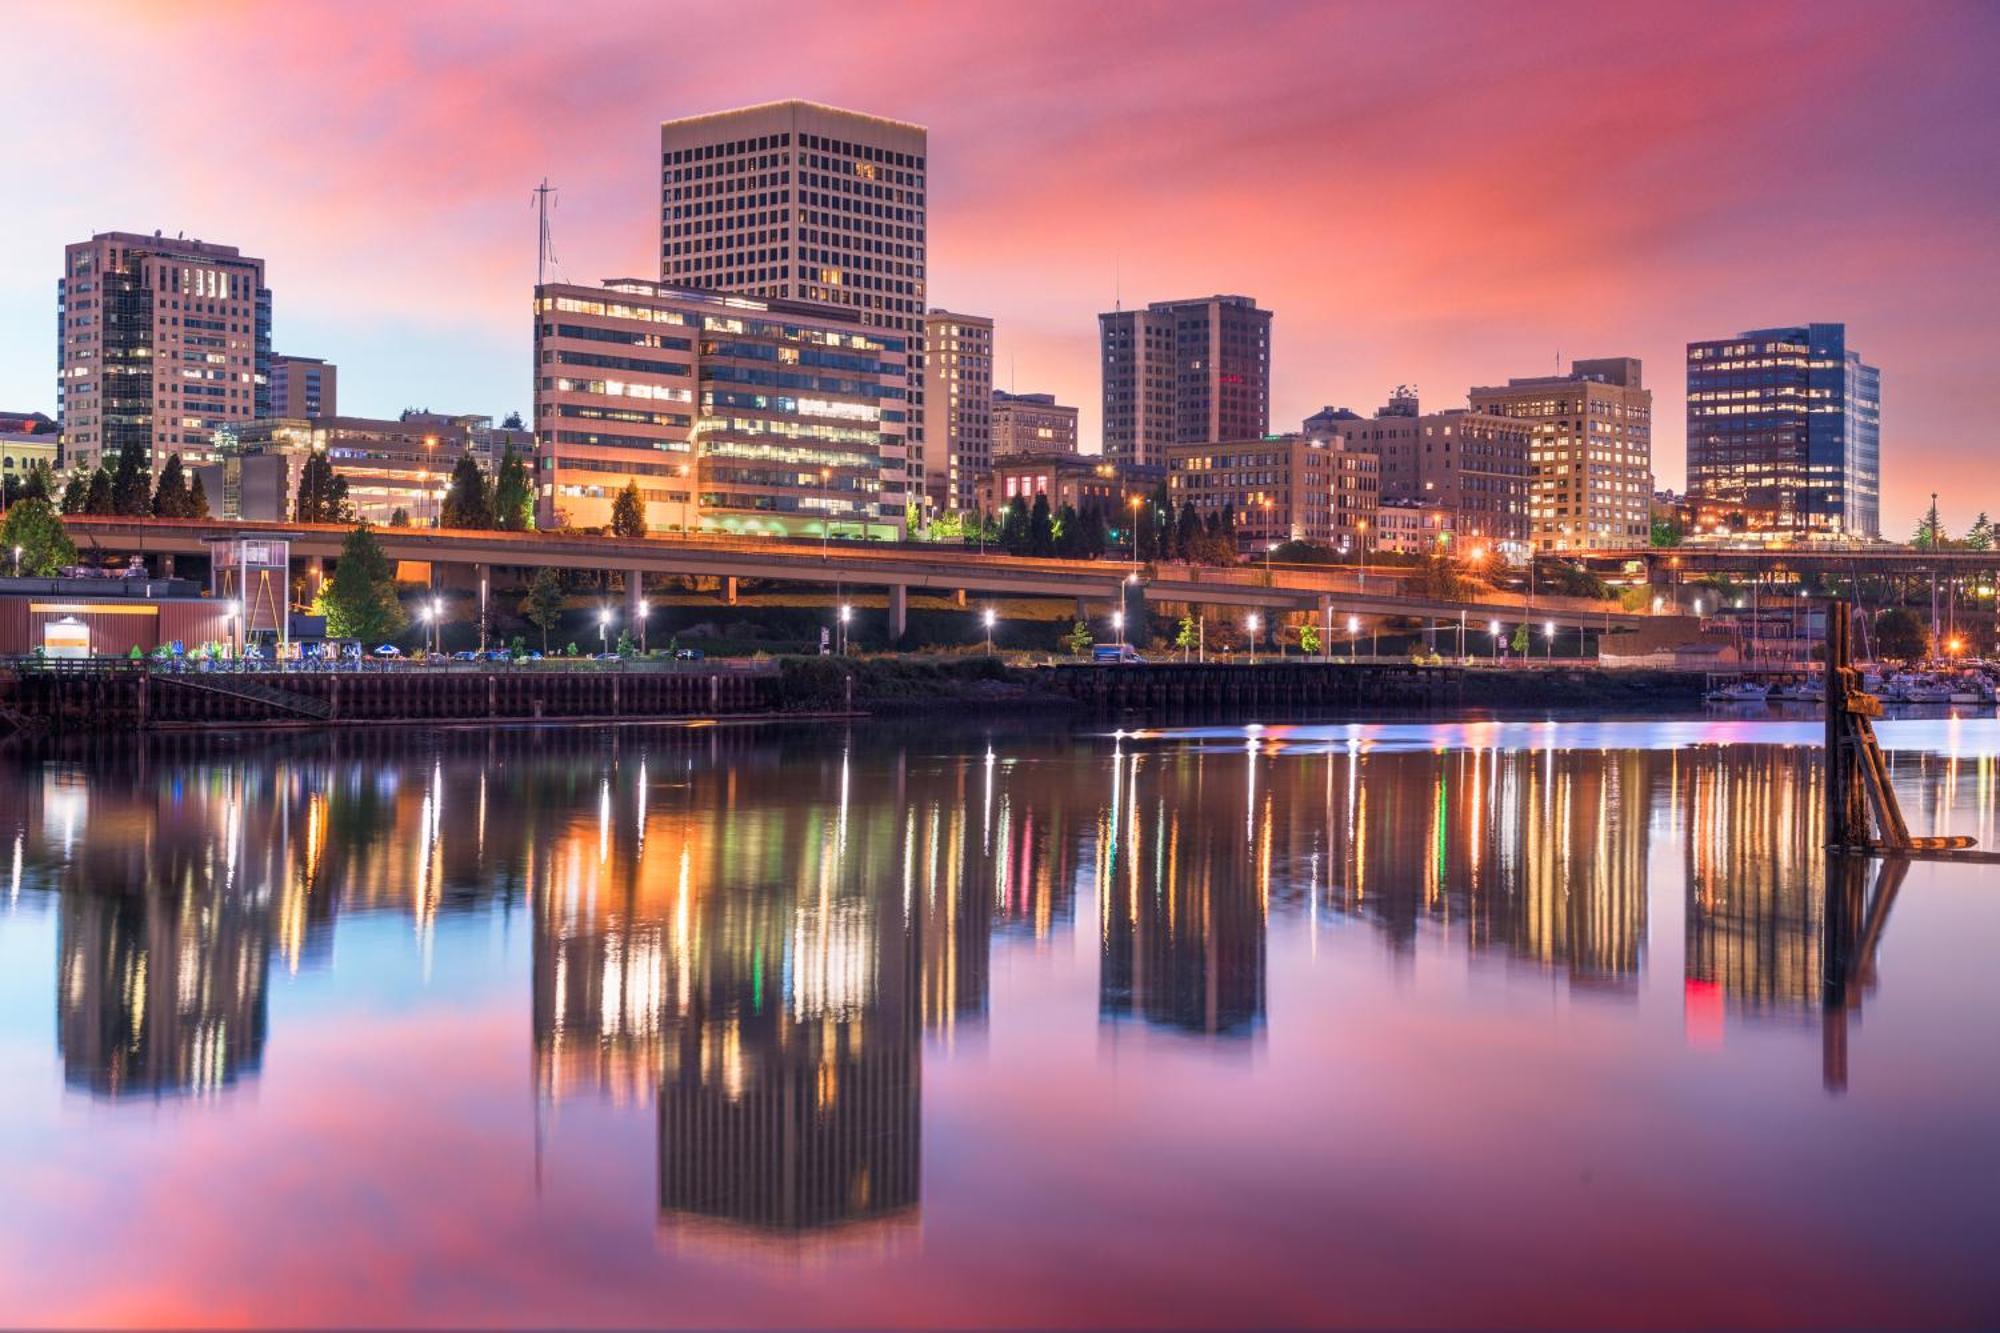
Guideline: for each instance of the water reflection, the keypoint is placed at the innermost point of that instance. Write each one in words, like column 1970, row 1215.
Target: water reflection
column 755, row 933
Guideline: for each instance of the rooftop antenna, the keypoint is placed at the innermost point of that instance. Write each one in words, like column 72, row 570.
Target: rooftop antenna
column 1118, row 282
column 545, row 252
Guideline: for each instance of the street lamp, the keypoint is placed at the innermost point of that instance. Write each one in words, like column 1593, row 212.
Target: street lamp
column 437, row 618
column 845, row 612
column 17, row 562
column 1361, row 527
column 604, row 629
column 1549, row 634
column 482, row 614
column 1118, row 624
column 1353, row 637
column 1493, row 632
column 986, row 618
column 1135, row 503
column 1253, row 622
column 231, row 614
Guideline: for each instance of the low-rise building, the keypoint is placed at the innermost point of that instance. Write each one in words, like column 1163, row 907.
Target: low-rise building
column 1281, row 488
column 730, row 413
column 21, row 450
column 1067, row 479
column 107, row 617
column 1032, row 423
column 304, row 386
column 1477, row 465
column 402, row 465
column 1412, row 527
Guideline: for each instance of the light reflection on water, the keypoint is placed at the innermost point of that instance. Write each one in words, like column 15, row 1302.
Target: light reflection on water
column 814, row 1000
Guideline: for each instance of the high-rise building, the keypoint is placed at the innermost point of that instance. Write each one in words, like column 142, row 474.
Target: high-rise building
column 1032, row 423
column 800, row 201
column 1473, row 464
column 1592, row 486
column 732, row 414
column 1784, row 433
column 304, row 386
column 160, row 343
column 958, row 395
column 1184, row 372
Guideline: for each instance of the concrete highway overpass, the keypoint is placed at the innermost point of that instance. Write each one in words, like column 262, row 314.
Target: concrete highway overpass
column 896, row 568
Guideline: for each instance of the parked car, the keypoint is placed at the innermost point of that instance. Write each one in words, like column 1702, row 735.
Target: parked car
column 1116, row 654
column 498, row 655
column 388, row 650
column 689, row 654
column 465, row 655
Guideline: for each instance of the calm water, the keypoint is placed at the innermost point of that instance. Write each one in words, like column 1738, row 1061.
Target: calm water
column 1481, row 1024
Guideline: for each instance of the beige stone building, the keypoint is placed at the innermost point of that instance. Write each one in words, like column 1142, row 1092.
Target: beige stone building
column 1279, row 489
column 1473, row 464
column 1032, row 423
column 1592, row 486
column 958, row 400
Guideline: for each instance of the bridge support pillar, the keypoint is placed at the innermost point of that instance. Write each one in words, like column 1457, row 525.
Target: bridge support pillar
column 729, row 591
column 1083, row 610
column 167, row 565
column 899, row 610
column 635, row 606
column 958, row 597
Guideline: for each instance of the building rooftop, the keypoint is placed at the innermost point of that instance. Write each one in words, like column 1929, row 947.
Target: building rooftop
column 795, row 103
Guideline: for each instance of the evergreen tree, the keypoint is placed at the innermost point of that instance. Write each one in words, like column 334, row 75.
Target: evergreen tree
column 322, row 496
column 1900, row 636
column 512, row 422
column 36, row 528
column 131, row 484
column 40, row 484
column 399, row 517
column 1041, row 528
column 1069, row 534
column 544, row 603
column 98, row 500
column 360, row 598
column 468, row 502
column 1079, row 638
column 76, row 492
column 197, row 503
column 1929, row 535
column 1014, row 538
column 513, row 493
column 1979, row 537
column 628, row 512
column 1188, row 534
column 171, row 496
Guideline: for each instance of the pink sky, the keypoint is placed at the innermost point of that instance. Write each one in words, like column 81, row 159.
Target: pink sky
column 1443, row 194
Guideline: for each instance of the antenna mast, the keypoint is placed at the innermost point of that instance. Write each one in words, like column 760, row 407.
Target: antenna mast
column 545, row 252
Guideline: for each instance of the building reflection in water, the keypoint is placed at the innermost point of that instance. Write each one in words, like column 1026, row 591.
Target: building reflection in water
column 755, row 933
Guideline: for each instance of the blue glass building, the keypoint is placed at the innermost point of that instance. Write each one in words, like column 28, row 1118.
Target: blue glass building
column 1784, row 433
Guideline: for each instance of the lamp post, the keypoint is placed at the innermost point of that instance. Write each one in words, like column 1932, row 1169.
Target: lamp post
column 1135, row 503
column 1361, row 527
column 1549, row 637
column 1493, row 632
column 1118, row 624
column 1353, row 638
column 482, row 615
column 1253, row 622
column 17, row 562
column 231, row 615
column 645, row 614
column 437, row 622
column 604, row 629
column 846, row 611
column 986, row 618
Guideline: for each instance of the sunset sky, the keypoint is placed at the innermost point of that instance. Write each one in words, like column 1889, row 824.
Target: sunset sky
column 1440, row 194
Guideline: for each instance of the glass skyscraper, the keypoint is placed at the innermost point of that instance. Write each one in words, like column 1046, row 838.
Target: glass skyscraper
column 1784, row 433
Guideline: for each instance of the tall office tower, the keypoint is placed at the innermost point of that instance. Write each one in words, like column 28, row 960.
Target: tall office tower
column 807, row 202
column 160, row 343
column 304, row 386
column 958, row 391
column 732, row 414
column 1032, row 423
column 1784, row 433
column 1184, row 372
column 1592, row 487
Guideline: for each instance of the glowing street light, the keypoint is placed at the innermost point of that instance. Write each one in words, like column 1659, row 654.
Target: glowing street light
column 845, row 613
column 986, row 618
column 1254, row 621
column 1493, row 631
column 1549, row 634
column 1118, row 624
column 604, row 628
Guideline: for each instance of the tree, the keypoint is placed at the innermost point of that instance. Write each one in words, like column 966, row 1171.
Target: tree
column 197, row 503
column 1437, row 578
column 76, row 492
column 1187, row 634
column 1666, row 532
column 1900, row 636
column 512, row 422
column 1095, row 535
column 1041, row 528
column 628, row 512
column 543, row 605
column 399, row 517
column 1069, row 534
column 99, row 499
column 322, row 496
column 1519, row 643
column 1309, row 640
column 360, row 598
column 1187, row 536
column 131, row 484
column 35, row 527
column 1929, row 535
column 513, row 493
column 171, row 497
column 468, row 502
column 1079, row 639
column 40, row 483
column 1979, row 537
column 1014, row 528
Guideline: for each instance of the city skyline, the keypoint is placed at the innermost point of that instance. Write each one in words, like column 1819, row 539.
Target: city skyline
column 408, row 260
